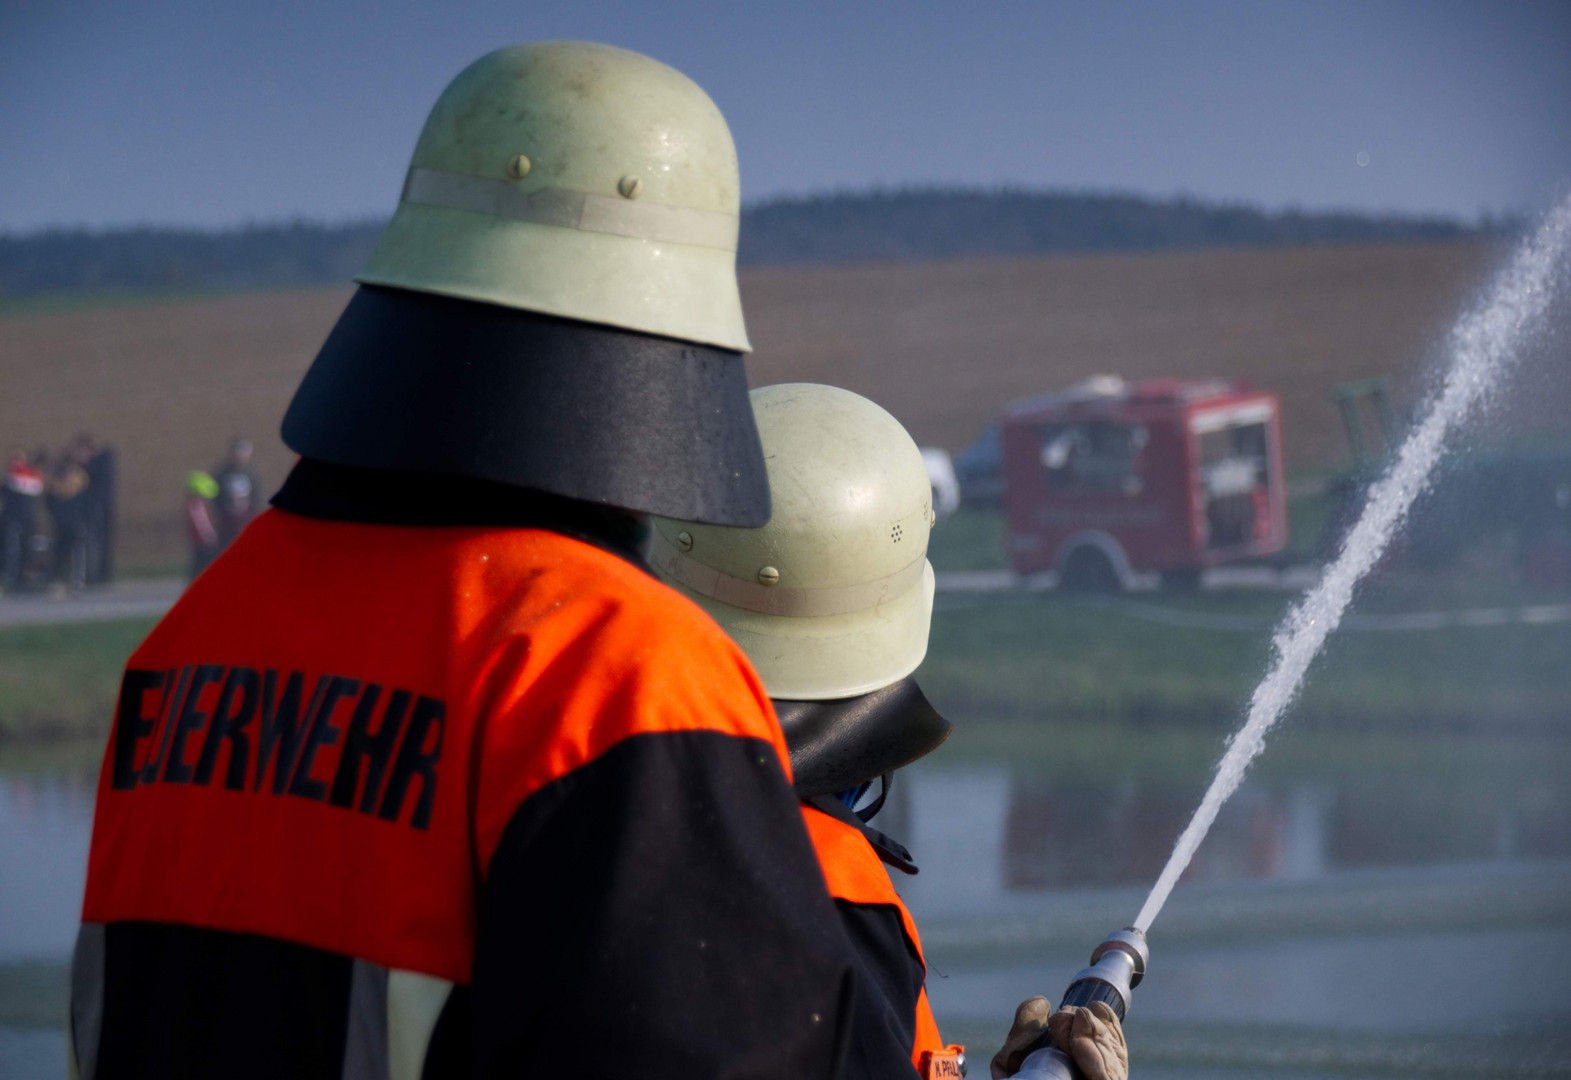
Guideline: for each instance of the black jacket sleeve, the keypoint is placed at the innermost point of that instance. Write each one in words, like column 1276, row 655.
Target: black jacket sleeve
column 889, row 982
column 658, row 913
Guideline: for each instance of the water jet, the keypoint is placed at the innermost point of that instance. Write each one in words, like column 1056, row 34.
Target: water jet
column 1483, row 344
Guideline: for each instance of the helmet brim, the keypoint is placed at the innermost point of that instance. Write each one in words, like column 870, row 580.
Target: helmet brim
column 827, row 657
column 594, row 277
column 427, row 383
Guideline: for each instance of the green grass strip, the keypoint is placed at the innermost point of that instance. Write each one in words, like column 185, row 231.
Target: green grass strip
column 60, row 681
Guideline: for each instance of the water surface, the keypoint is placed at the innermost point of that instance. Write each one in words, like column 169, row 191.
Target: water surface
column 1291, row 919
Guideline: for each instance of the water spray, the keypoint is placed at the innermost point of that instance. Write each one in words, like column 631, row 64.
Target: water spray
column 1483, row 344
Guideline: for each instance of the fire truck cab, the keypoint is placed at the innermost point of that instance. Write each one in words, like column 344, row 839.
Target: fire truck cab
column 1108, row 480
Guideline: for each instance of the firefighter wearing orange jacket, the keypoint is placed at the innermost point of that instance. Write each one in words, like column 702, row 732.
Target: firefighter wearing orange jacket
column 426, row 775
column 832, row 602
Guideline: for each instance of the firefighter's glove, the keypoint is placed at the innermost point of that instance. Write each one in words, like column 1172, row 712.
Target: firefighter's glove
column 1030, row 1018
column 1094, row 1038
column 1091, row 1036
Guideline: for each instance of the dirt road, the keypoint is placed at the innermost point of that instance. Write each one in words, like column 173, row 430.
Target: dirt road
column 126, row 600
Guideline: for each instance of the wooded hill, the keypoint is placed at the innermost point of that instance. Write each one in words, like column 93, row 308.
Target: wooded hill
column 906, row 225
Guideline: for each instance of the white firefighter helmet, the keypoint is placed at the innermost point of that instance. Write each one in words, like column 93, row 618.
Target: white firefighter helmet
column 833, row 597
column 577, row 180
column 554, row 305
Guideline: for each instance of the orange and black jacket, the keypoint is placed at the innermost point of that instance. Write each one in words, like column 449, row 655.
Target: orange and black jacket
column 431, row 779
column 888, row 950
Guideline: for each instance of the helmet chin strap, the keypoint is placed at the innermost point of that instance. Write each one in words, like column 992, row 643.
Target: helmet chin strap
column 852, row 796
column 890, row 851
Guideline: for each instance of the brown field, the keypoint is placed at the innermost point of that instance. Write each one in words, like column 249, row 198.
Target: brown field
column 942, row 345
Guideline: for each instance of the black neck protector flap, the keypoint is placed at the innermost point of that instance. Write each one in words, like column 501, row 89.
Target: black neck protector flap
column 415, row 382
column 839, row 744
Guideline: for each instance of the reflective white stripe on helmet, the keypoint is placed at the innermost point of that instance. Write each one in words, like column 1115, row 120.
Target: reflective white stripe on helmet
column 671, row 561
column 570, row 209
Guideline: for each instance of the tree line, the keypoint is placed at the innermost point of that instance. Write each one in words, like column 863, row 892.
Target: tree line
column 909, row 224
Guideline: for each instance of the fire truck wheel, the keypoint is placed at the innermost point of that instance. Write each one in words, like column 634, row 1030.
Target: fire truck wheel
column 1088, row 570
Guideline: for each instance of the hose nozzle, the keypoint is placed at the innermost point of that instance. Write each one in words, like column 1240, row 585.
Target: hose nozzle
column 1117, row 966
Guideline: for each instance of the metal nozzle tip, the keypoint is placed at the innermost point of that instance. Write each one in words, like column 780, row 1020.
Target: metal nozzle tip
column 1132, row 942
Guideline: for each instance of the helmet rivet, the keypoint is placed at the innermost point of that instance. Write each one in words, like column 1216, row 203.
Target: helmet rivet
column 630, row 186
column 684, row 540
column 769, row 576
column 519, row 166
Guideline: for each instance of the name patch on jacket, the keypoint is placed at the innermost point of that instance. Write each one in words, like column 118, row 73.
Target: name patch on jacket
column 353, row 744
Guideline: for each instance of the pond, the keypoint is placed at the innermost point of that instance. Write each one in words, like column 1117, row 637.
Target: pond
column 1001, row 830
column 45, row 822
column 1376, row 904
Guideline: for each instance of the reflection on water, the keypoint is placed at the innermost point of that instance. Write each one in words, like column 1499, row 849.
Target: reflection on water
column 27, row 1054
column 1022, row 831
column 1007, row 846
column 1401, row 982
column 45, row 822
column 1007, row 849
column 986, row 832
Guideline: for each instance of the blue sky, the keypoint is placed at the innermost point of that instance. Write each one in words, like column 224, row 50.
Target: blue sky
column 214, row 113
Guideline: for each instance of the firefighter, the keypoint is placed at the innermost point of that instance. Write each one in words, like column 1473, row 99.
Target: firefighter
column 23, row 487
column 68, row 495
column 832, row 602
column 201, row 532
column 427, row 775
column 240, row 491
column 100, row 461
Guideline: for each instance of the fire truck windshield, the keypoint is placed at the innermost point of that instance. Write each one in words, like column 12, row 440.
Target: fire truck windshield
column 1093, row 456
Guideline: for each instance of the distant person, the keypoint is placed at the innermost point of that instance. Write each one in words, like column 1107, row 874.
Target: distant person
column 100, row 461
column 40, row 549
column 239, row 492
column 66, row 495
column 24, row 486
column 200, row 491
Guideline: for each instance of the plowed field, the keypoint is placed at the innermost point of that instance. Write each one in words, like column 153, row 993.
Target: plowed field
column 942, row 345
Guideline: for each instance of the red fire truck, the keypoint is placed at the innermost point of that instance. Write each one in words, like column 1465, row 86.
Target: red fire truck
column 1108, row 480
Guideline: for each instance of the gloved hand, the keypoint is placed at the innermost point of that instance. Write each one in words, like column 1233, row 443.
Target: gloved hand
column 1091, row 1036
